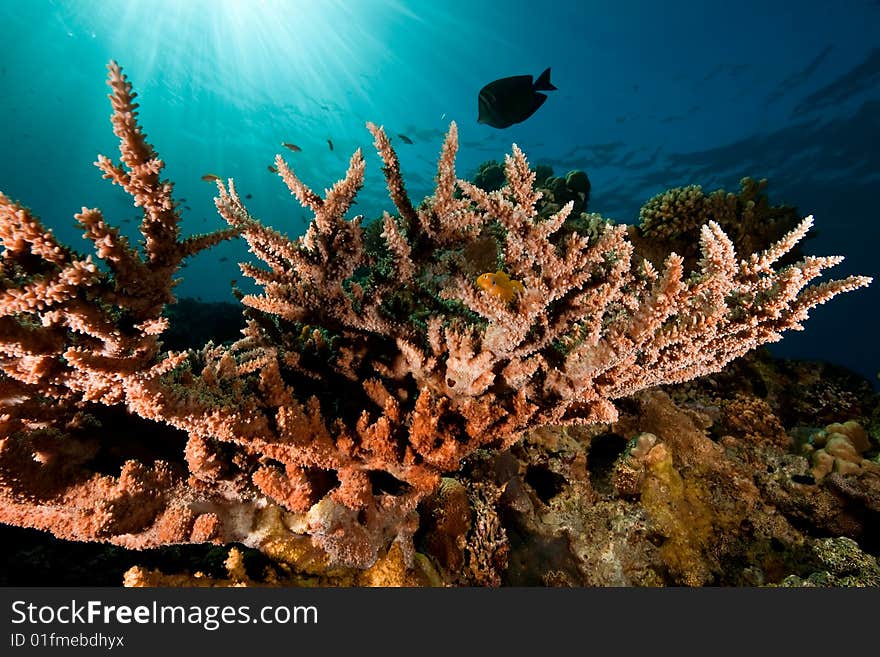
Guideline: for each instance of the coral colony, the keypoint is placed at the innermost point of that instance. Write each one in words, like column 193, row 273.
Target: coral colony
column 374, row 360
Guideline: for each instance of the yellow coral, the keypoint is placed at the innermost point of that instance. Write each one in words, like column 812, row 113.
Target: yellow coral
column 841, row 448
column 500, row 285
column 680, row 511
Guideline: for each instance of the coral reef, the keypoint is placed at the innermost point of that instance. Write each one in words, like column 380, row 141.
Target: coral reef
column 365, row 374
column 706, row 500
column 679, row 493
column 672, row 220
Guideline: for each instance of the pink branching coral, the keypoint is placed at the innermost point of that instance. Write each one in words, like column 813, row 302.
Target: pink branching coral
column 73, row 335
column 370, row 364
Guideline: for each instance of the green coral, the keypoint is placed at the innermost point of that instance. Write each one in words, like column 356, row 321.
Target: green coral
column 490, row 176
column 840, row 562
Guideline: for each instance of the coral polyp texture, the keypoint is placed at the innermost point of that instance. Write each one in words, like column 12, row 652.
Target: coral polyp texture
column 372, row 361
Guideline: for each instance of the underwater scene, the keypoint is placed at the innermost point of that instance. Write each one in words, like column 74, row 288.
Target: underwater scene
column 411, row 293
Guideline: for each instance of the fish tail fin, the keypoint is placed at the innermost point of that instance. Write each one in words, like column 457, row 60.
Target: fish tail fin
column 543, row 82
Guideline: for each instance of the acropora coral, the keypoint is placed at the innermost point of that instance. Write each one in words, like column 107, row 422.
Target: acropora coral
column 363, row 374
column 672, row 220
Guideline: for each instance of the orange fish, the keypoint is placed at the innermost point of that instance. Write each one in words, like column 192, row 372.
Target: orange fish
column 210, row 177
column 500, row 285
column 293, row 147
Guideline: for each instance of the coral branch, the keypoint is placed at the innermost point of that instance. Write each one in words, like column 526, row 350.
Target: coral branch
column 75, row 337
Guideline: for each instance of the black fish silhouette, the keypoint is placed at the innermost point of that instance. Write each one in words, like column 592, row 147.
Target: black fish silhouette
column 405, row 139
column 512, row 100
column 330, row 144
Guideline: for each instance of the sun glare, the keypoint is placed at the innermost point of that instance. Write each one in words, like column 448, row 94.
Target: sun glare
column 326, row 47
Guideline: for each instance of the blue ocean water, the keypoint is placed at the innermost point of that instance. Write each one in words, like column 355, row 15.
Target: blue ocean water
column 650, row 96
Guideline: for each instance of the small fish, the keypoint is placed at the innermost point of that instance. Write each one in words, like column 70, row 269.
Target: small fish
column 186, row 207
column 183, row 200
column 223, row 259
column 272, row 168
column 248, row 196
column 210, row 177
column 405, row 139
column 443, row 116
column 293, row 147
column 506, row 101
column 499, row 285
column 330, row 144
